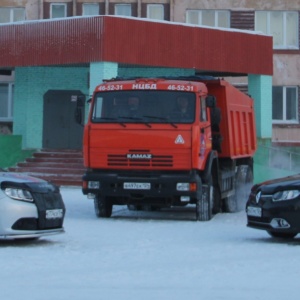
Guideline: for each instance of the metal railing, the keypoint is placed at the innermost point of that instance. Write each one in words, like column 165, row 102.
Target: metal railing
column 278, row 158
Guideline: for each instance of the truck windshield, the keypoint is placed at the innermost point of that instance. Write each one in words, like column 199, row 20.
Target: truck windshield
column 144, row 107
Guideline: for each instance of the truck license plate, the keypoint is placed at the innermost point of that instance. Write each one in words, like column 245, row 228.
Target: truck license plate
column 137, row 186
column 254, row 211
column 54, row 214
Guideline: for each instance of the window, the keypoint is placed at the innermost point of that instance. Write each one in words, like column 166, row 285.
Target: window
column 282, row 25
column 212, row 18
column 6, row 101
column 155, row 11
column 203, row 116
column 12, row 14
column 285, row 104
column 123, row 10
column 58, row 10
column 149, row 107
column 90, row 9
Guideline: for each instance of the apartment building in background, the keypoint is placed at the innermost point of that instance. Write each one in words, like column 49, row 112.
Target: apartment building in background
column 279, row 18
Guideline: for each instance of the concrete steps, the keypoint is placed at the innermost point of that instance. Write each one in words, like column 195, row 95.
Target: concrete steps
column 60, row 166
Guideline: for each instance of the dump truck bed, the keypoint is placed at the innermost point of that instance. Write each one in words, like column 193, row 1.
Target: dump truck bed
column 237, row 125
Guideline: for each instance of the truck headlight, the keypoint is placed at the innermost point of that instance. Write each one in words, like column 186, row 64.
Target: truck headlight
column 186, row 186
column 93, row 184
column 182, row 186
column 18, row 194
column 285, row 195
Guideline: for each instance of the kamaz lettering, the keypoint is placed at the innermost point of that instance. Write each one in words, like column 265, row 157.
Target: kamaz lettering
column 139, row 156
column 144, row 86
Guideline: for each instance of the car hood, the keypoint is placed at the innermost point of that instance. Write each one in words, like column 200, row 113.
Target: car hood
column 279, row 184
column 23, row 181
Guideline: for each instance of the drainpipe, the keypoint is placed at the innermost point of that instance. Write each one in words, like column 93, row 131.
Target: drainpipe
column 106, row 7
column 74, row 7
column 40, row 9
column 139, row 8
column 172, row 10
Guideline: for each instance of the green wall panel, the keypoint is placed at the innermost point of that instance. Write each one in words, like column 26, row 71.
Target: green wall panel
column 31, row 83
column 10, row 150
column 260, row 89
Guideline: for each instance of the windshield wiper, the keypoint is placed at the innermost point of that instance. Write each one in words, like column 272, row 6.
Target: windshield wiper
column 163, row 119
column 155, row 117
column 136, row 119
column 112, row 119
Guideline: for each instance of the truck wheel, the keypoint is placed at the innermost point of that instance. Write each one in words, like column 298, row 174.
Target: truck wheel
column 216, row 201
column 214, row 196
column 204, row 204
column 230, row 204
column 131, row 207
column 134, row 207
column 103, row 209
column 244, row 181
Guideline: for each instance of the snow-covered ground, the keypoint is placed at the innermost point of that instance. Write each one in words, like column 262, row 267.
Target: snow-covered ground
column 150, row 255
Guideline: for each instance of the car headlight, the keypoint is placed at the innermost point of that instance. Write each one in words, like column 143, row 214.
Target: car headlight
column 18, row 194
column 286, row 195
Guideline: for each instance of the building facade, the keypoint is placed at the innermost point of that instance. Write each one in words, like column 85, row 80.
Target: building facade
column 278, row 18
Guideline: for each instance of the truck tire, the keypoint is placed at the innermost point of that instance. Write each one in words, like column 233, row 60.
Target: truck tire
column 230, row 204
column 215, row 196
column 204, row 203
column 216, row 208
column 103, row 209
column 134, row 207
column 243, row 183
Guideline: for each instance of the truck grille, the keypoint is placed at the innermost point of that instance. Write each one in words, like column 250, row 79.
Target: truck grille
column 121, row 160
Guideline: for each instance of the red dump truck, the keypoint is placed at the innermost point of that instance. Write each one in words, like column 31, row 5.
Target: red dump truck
column 152, row 143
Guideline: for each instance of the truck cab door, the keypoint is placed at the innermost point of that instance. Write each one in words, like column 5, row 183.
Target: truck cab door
column 205, row 128
column 215, row 119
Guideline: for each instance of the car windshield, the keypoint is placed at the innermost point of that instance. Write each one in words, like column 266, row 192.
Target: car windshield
column 144, row 107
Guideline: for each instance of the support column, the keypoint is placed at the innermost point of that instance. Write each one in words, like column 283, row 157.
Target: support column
column 260, row 89
column 100, row 71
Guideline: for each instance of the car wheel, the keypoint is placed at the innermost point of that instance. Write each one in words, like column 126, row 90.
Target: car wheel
column 282, row 235
column 103, row 208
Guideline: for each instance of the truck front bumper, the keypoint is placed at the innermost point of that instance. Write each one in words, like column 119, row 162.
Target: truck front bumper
column 174, row 188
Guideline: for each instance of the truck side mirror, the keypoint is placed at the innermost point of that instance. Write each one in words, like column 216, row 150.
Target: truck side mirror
column 80, row 101
column 78, row 115
column 79, row 109
column 210, row 101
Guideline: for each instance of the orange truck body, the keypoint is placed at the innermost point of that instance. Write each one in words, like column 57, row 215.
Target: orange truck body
column 129, row 158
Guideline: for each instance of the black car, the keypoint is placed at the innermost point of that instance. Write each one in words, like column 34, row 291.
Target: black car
column 274, row 206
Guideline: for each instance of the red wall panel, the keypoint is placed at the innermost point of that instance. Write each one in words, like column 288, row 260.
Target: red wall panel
column 133, row 41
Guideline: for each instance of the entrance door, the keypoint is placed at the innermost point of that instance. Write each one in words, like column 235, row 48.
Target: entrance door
column 60, row 131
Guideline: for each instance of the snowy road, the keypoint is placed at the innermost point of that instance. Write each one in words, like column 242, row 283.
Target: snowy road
column 150, row 255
